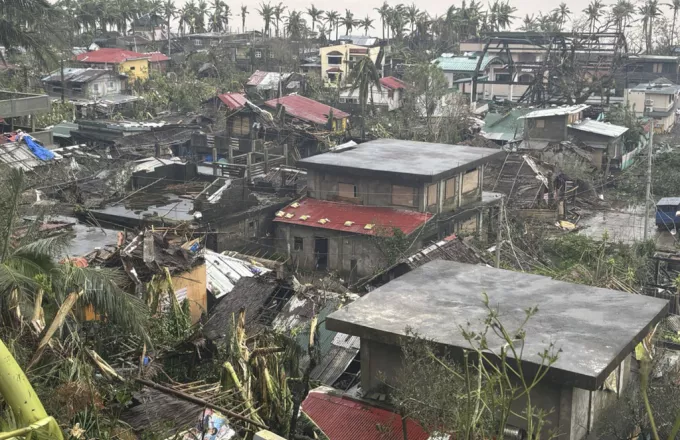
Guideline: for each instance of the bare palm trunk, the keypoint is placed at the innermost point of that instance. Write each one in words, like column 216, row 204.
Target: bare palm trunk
column 675, row 16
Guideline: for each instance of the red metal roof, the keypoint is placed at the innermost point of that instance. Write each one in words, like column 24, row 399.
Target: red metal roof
column 306, row 109
column 256, row 78
column 342, row 418
column 233, row 100
column 393, row 83
column 337, row 213
column 110, row 55
column 156, row 57
column 334, row 70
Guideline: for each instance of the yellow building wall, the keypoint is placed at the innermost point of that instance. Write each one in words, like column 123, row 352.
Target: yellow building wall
column 195, row 283
column 344, row 64
column 135, row 69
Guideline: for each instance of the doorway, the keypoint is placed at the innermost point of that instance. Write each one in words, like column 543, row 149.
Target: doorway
column 321, row 252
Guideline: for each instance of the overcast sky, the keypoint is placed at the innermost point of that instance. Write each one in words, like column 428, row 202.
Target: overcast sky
column 362, row 7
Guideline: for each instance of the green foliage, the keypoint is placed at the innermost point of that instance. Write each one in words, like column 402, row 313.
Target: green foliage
column 392, row 243
column 175, row 92
column 625, row 116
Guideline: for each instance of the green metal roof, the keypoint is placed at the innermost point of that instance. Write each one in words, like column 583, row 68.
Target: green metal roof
column 465, row 63
column 505, row 127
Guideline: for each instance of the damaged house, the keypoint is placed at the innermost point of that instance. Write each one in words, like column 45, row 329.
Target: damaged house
column 358, row 196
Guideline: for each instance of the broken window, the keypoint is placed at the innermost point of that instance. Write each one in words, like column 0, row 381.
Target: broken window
column 470, row 180
column 403, row 195
column 432, row 194
column 298, row 243
column 540, row 123
column 347, row 190
column 450, row 188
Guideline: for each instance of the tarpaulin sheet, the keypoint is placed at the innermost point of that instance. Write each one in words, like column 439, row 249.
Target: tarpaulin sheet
column 39, row 151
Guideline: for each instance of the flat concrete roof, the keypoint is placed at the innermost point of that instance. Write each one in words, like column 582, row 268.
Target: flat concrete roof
column 423, row 161
column 594, row 328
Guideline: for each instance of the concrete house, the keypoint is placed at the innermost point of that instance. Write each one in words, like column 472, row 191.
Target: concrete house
column 663, row 97
column 337, row 61
column 642, row 69
column 390, row 96
column 134, row 64
column 84, row 83
column 458, row 70
column 359, row 193
column 594, row 329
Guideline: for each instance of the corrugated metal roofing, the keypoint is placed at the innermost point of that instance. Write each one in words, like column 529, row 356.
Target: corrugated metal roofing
column 601, row 128
column 342, row 418
column 359, row 40
column 223, row 271
column 18, row 155
column 337, row 214
column 110, row 55
column 556, row 111
column 156, row 57
column 504, row 127
column 669, row 201
column 306, row 109
column 233, row 100
column 77, row 74
column 657, row 89
column 266, row 80
column 465, row 64
column 393, row 83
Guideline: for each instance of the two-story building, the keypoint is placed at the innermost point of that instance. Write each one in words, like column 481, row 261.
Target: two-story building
column 591, row 331
column 362, row 193
column 458, row 70
column 643, row 69
column 84, row 83
column 337, row 61
column 658, row 100
column 133, row 64
column 546, row 127
column 390, row 96
column 310, row 111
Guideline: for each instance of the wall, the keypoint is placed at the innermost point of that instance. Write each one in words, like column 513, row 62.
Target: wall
column 136, row 69
column 376, row 97
column 635, row 100
column 106, row 85
column 554, row 128
column 344, row 62
column 378, row 360
column 195, row 284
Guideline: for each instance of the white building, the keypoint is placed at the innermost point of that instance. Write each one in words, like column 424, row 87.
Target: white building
column 390, row 95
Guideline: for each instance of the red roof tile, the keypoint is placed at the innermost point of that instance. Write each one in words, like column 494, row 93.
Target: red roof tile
column 156, row 57
column 109, row 55
column 337, row 213
column 306, row 109
column 233, row 100
column 393, row 83
column 342, row 418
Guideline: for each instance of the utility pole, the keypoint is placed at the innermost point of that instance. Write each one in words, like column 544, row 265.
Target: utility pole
column 63, row 83
column 650, row 149
column 498, row 233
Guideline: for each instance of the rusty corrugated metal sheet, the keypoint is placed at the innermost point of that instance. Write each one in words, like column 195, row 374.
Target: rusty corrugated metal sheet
column 110, row 55
column 342, row 418
column 393, row 83
column 337, row 213
column 306, row 109
column 233, row 100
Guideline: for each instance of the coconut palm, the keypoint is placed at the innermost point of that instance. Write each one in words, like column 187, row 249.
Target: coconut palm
column 332, row 18
column 266, row 11
column 201, row 13
column 412, row 14
column 226, row 15
column 366, row 24
column 295, row 25
column 348, row 21
column 363, row 77
column 384, row 12
column 216, row 17
column 675, row 7
column 278, row 15
column 244, row 13
column 622, row 13
column 528, row 23
column 593, row 13
column 315, row 14
column 649, row 11
column 563, row 12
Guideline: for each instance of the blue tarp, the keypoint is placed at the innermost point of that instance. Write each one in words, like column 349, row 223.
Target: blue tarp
column 40, row 152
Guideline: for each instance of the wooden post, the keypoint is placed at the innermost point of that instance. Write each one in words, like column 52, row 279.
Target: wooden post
column 230, row 151
column 266, row 160
column 249, row 161
column 285, row 153
column 214, row 160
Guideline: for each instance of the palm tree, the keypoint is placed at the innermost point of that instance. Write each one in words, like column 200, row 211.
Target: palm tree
column 649, row 11
column 384, row 12
column 201, row 12
column 563, row 12
column 528, row 23
column 675, row 7
column 348, row 21
column 622, row 13
column 266, row 11
column 169, row 12
column 216, row 18
column 366, row 23
column 412, row 14
column 397, row 22
column 593, row 13
column 278, row 15
column 244, row 13
column 363, row 76
column 315, row 14
column 332, row 18
column 295, row 25
column 226, row 14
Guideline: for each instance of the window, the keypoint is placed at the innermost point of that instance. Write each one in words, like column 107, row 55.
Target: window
column 658, row 67
column 432, row 194
column 198, row 42
column 258, row 53
column 213, row 42
column 335, row 59
column 95, row 88
column 332, row 77
column 540, row 123
column 450, row 188
column 470, row 180
column 111, row 86
column 402, row 195
column 347, row 190
column 132, row 68
column 298, row 243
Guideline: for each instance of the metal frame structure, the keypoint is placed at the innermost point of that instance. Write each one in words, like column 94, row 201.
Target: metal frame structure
column 566, row 56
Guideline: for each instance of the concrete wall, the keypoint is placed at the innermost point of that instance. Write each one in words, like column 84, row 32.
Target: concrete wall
column 554, row 128
column 379, row 361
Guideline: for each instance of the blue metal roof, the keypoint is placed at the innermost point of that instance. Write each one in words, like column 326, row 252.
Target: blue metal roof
column 465, row 63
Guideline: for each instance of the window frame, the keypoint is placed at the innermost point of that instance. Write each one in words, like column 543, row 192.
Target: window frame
column 402, row 187
column 298, row 243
